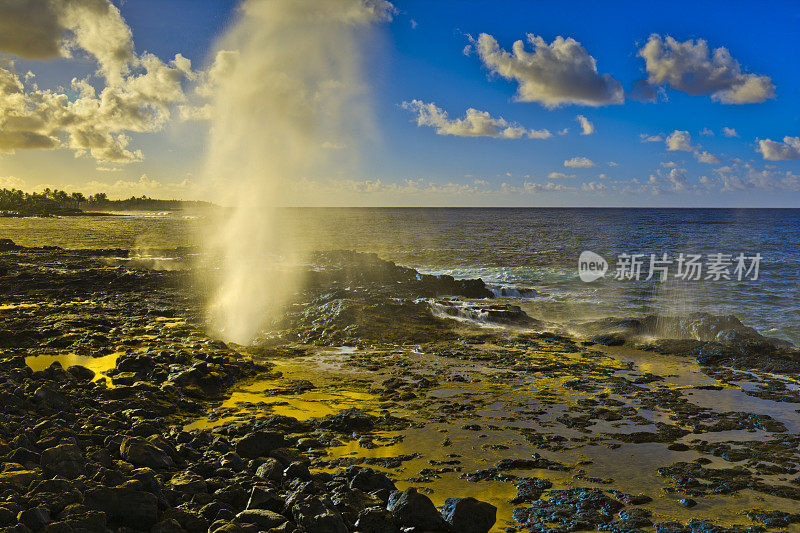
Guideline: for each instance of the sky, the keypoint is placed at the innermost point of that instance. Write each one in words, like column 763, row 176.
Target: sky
column 473, row 103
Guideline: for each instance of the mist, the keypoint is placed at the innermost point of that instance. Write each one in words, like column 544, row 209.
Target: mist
column 290, row 101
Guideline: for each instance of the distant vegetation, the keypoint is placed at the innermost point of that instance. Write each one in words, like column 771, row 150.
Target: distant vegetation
column 14, row 202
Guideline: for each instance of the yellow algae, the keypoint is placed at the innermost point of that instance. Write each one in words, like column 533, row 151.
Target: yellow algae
column 270, row 397
column 168, row 319
column 8, row 307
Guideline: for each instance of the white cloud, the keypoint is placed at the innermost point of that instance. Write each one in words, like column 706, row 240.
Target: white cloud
column 678, row 180
column 420, row 188
column 579, row 162
column 594, row 186
column 474, row 124
column 137, row 94
column 553, row 75
column 679, row 140
column 693, row 68
column 780, row 151
column 745, row 176
column 707, row 157
column 707, row 131
column 669, row 164
column 729, row 132
column 645, row 138
column 672, row 181
column 11, row 182
column 559, row 175
column 564, row 131
column 143, row 186
column 587, row 128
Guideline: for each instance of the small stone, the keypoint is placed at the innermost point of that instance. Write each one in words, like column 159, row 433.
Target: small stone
column 688, row 503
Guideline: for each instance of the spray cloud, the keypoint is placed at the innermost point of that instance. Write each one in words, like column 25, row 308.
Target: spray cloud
column 287, row 83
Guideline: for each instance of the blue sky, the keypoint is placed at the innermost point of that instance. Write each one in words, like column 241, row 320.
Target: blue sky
column 420, row 56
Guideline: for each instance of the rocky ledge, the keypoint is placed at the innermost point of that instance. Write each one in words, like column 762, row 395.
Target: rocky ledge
column 85, row 452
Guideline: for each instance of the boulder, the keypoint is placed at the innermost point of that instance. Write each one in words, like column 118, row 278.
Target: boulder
column 188, row 483
column 124, row 505
column 50, row 398
column 261, row 518
column 318, row 515
column 139, row 452
column 259, row 444
column 369, row 480
column 412, row 509
column 264, row 498
column 81, row 517
column 81, row 373
column 64, row 460
column 468, row 515
column 35, row 519
column 270, row 469
column 376, row 520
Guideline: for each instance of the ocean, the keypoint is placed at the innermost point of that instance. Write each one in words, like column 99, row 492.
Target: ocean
column 531, row 248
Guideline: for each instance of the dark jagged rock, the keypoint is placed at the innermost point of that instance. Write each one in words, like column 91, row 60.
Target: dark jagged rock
column 710, row 339
column 574, row 509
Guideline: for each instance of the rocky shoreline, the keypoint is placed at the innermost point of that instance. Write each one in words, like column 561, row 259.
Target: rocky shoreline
column 113, row 449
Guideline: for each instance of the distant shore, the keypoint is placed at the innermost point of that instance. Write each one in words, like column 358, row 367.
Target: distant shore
column 55, row 203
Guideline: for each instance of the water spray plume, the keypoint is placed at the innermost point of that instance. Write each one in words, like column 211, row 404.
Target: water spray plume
column 288, row 83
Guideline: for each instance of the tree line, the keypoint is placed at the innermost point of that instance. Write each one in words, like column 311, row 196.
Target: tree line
column 56, row 202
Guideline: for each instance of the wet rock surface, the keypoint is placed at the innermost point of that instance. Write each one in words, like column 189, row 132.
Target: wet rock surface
column 135, row 420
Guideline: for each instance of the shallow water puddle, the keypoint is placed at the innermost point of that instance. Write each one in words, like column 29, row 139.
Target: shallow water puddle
column 739, row 400
column 99, row 365
column 277, row 397
column 477, row 414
